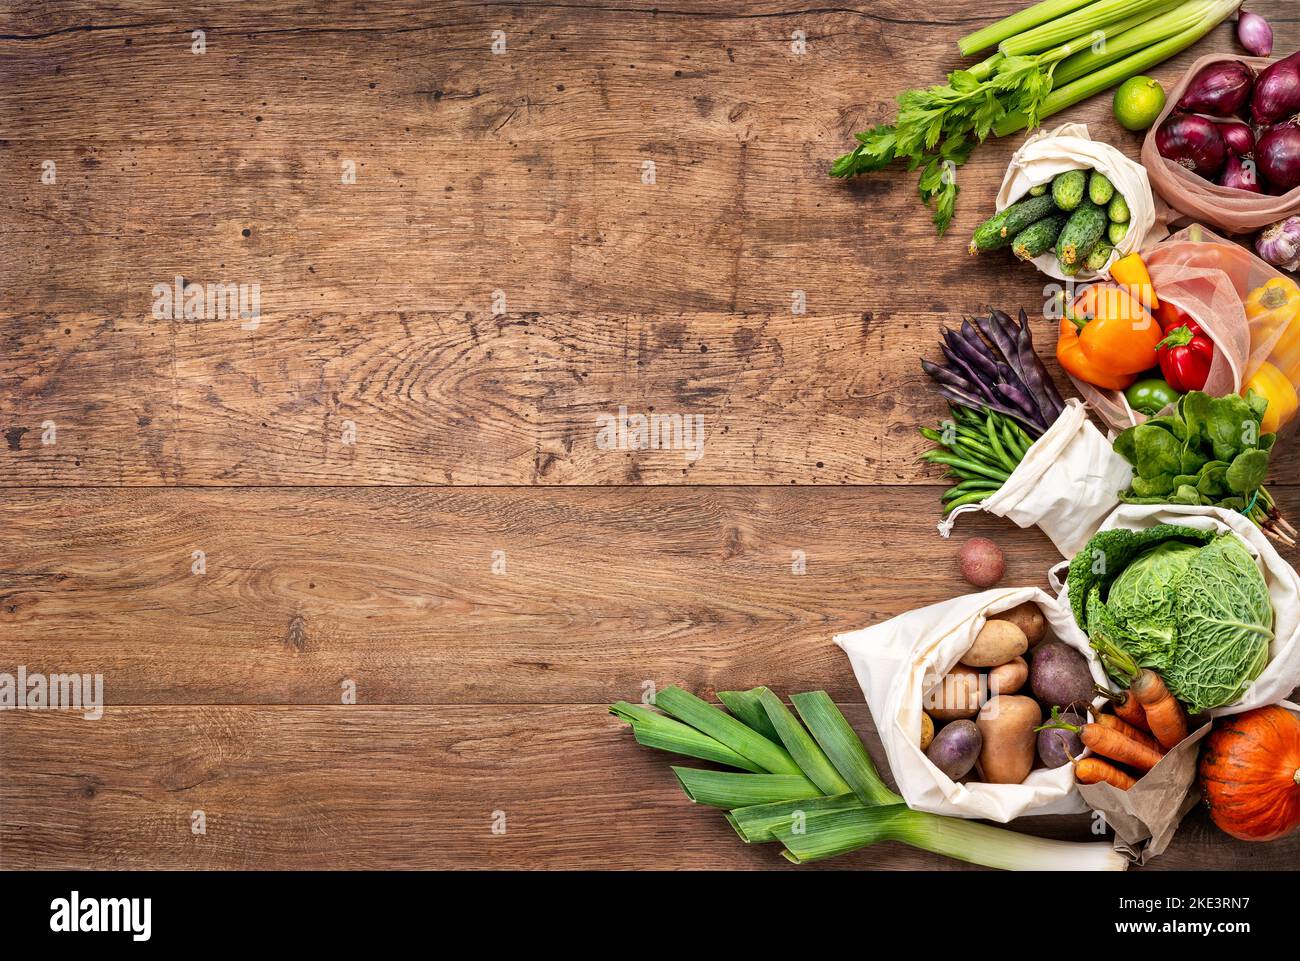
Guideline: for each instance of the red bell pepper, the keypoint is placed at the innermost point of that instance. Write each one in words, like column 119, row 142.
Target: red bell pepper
column 1185, row 353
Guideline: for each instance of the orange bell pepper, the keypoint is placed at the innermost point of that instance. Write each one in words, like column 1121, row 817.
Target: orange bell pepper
column 1071, row 356
column 1131, row 272
column 1115, row 331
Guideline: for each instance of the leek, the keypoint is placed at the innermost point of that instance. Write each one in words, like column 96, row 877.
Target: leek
column 1008, row 27
column 810, row 758
column 843, row 746
column 689, row 709
column 838, row 832
column 664, row 734
column 744, row 704
column 727, row 789
column 755, row 824
column 1081, row 22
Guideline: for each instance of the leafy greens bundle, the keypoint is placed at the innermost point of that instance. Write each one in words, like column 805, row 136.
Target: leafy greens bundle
column 1190, row 604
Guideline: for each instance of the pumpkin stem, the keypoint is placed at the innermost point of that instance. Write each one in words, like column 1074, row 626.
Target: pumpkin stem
column 1297, row 776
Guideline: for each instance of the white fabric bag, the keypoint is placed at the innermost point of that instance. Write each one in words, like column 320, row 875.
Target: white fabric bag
column 1070, row 479
column 1071, row 147
column 1282, row 675
column 898, row 663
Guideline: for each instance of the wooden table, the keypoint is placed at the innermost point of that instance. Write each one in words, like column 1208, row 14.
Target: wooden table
column 394, row 477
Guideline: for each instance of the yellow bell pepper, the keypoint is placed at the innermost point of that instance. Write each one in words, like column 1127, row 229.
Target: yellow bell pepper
column 1131, row 272
column 1273, row 311
column 1282, row 400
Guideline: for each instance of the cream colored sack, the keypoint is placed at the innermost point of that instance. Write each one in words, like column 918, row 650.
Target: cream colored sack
column 1070, row 147
column 900, row 661
column 1282, row 675
column 1068, row 482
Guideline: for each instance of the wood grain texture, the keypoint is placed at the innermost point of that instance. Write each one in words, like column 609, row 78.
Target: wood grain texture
column 410, row 787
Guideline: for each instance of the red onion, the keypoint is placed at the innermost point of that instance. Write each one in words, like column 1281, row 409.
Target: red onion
column 1192, row 142
column 1254, row 33
column 1277, row 94
column 1239, row 174
column 1279, row 244
column 1221, row 89
column 1237, row 137
column 1278, row 156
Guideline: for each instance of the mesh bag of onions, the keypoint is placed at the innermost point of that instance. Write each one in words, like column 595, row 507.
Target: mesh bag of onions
column 1222, row 151
column 1230, row 293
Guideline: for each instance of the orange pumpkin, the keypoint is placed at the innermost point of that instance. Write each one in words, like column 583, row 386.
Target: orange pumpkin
column 1250, row 773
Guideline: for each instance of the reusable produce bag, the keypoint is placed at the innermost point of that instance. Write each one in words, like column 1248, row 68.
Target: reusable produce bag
column 900, row 661
column 1217, row 284
column 1070, row 147
column 1069, row 480
column 1235, row 211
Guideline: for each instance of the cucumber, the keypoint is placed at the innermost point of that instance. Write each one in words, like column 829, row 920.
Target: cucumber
column 1069, row 269
column 989, row 236
column 1081, row 233
column 1100, row 190
column 1038, row 238
column 1068, row 188
column 1116, row 232
column 1118, row 209
column 1097, row 259
column 1027, row 212
column 1038, row 190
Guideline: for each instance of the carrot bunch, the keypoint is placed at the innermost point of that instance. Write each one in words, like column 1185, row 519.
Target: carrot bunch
column 1147, row 722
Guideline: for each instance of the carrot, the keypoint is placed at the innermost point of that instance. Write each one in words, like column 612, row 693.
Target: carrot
column 1121, row 726
column 1165, row 716
column 1126, row 707
column 1117, row 747
column 1093, row 770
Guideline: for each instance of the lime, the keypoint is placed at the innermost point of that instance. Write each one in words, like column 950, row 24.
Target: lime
column 1138, row 102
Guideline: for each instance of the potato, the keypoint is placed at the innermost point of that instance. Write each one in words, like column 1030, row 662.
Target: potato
column 956, row 748
column 1059, row 677
column 957, row 696
column 1009, row 677
column 982, row 563
column 997, row 643
column 927, row 730
column 1006, row 724
column 1029, row 618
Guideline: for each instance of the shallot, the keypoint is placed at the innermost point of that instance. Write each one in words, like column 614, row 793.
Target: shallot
column 1254, row 33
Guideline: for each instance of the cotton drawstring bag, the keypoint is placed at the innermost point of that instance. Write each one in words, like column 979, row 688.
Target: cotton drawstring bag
column 1069, row 480
column 1071, row 147
column 900, row 661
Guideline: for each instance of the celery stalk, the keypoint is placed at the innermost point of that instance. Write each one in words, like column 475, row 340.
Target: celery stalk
column 1073, row 25
column 1008, row 27
column 838, row 832
column 1101, row 40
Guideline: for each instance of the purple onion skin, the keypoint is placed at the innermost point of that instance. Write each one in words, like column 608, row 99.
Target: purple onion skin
column 1237, row 137
column 1193, row 142
column 1277, row 94
column 1254, row 33
column 1239, row 175
column 1221, row 89
column 1278, row 158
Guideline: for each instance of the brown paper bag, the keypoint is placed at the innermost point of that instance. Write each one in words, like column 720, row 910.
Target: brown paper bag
column 1146, row 816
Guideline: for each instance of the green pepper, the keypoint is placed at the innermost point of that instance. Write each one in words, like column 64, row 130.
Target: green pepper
column 1151, row 396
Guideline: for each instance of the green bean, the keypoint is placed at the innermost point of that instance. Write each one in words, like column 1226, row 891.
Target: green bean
column 996, row 443
column 968, row 487
column 974, row 497
column 952, row 460
column 1012, row 444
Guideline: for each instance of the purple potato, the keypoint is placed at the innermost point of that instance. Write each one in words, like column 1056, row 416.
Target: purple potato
column 1059, row 677
column 956, row 748
column 1056, row 747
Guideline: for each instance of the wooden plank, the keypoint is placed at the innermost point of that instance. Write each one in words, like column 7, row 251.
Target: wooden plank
column 402, row 787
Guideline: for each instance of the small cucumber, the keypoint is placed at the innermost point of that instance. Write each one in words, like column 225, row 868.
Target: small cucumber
column 1100, row 190
column 1097, row 259
column 1068, row 189
column 1039, row 190
column 989, row 236
column 1069, row 269
column 1118, row 209
column 1082, row 231
column 1038, row 238
column 1116, row 232
column 1025, row 213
